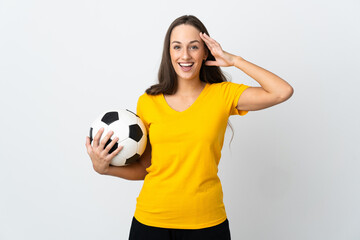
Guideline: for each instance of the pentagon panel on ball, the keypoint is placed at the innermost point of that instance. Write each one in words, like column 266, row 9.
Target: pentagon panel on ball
column 130, row 130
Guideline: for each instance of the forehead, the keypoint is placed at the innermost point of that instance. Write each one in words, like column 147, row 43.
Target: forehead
column 184, row 33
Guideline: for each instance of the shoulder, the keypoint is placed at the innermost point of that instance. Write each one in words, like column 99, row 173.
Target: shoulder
column 227, row 86
column 217, row 85
column 223, row 84
column 147, row 98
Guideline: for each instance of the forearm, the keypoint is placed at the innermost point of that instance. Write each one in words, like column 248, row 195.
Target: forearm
column 268, row 80
column 134, row 171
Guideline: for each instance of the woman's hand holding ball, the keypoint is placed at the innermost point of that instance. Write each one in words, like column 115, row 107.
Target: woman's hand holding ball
column 99, row 154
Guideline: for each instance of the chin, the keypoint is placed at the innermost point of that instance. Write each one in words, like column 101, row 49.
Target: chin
column 187, row 75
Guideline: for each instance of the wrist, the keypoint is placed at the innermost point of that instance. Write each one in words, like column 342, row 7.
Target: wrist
column 237, row 61
column 107, row 171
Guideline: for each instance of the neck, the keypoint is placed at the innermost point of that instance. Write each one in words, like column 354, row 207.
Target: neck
column 189, row 88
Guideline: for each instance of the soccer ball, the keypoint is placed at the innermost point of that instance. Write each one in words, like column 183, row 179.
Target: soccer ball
column 130, row 130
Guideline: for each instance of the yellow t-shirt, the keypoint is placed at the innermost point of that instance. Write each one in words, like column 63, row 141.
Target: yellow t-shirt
column 182, row 189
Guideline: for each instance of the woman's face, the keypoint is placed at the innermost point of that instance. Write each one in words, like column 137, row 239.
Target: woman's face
column 187, row 52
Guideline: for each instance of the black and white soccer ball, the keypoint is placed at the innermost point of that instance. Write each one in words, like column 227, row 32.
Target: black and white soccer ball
column 130, row 130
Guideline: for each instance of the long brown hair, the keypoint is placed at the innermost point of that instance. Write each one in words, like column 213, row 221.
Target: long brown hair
column 167, row 77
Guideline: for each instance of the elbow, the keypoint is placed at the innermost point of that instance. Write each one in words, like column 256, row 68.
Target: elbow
column 286, row 94
column 144, row 175
column 139, row 177
column 143, row 171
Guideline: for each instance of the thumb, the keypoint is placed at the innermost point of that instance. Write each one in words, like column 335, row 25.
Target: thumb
column 88, row 145
column 211, row 63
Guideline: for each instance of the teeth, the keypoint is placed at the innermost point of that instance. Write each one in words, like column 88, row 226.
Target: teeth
column 185, row 64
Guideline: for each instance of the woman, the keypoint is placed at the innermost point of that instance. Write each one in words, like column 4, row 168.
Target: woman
column 186, row 115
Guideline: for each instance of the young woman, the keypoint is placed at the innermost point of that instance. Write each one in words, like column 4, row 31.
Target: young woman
column 186, row 115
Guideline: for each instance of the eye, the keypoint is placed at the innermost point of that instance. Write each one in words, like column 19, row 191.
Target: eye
column 194, row 47
column 176, row 47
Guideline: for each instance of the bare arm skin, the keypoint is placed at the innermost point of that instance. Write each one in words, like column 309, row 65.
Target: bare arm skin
column 273, row 90
column 101, row 159
column 136, row 170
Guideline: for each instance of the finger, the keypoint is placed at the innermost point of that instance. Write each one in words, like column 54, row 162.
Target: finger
column 114, row 153
column 105, row 139
column 211, row 41
column 111, row 144
column 211, row 63
column 88, row 145
column 211, row 46
column 97, row 137
column 202, row 36
column 206, row 40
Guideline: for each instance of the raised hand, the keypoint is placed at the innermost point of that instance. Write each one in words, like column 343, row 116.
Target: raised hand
column 99, row 155
column 222, row 58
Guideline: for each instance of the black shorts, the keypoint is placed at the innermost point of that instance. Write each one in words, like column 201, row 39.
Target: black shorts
column 139, row 231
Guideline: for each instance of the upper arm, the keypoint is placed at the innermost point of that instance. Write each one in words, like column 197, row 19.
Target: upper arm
column 256, row 98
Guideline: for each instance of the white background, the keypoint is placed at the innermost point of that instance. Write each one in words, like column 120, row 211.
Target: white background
column 292, row 171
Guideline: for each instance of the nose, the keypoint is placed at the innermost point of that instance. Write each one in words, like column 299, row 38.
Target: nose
column 185, row 54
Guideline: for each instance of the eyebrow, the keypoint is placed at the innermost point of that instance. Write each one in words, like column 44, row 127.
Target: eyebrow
column 193, row 41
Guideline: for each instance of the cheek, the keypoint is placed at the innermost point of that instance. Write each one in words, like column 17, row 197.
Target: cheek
column 173, row 59
column 200, row 56
column 173, row 56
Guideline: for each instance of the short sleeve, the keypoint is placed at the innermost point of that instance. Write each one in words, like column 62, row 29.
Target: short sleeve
column 231, row 93
column 141, row 104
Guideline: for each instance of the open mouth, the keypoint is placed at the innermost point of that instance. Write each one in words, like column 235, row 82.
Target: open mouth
column 186, row 66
